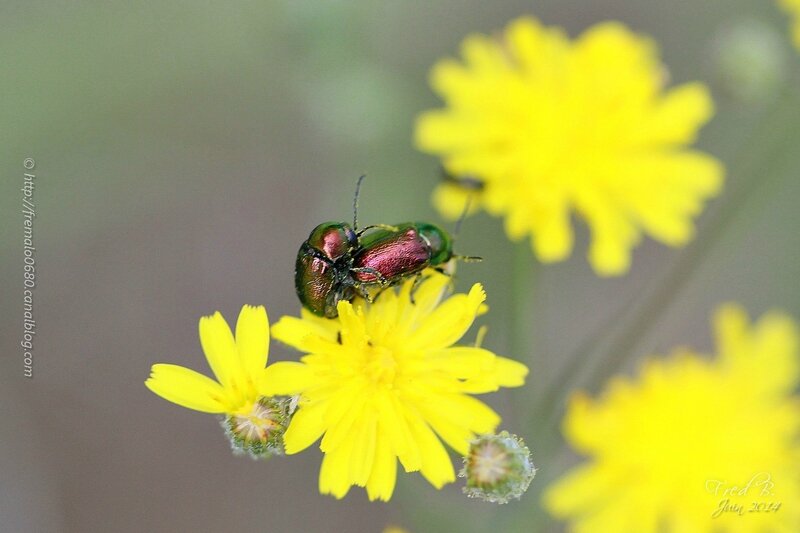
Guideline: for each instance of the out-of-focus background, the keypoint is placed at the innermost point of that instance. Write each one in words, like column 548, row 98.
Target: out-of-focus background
column 184, row 150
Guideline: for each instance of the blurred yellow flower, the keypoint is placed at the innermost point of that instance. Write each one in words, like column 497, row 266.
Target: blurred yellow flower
column 254, row 423
column 695, row 444
column 550, row 126
column 394, row 529
column 382, row 380
column 793, row 7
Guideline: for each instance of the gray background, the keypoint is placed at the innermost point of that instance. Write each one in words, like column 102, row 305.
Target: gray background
column 184, row 150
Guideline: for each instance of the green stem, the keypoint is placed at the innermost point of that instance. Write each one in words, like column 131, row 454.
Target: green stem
column 522, row 316
column 521, row 345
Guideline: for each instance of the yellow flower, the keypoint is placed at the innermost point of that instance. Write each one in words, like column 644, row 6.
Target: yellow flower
column 552, row 126
column 254, row 423
column 394, row 529
column 793, row 7
column 382, row 380
column 693, row 440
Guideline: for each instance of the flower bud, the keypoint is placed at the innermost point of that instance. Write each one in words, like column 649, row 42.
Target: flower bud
column 259, row 433
column 751, row 60
column 497, row 468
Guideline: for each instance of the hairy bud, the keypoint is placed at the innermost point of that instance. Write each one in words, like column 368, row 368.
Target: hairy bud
column 259, row 433
column 498, row 468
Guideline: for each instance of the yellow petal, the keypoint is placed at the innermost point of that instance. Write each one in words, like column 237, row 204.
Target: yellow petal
column 306, row 426
column 397, row 433
column 462, row 362
column 576, row 489
column 552, row 236
column 285, row 378
column 448, row 322
column 777, row 340
column 665, row 204
column 535, row 47
column 297, row 332
column 613, row 236
column 334, row 474
column 220, row 349
column 457, row 437
column 435, row 132
column 365, row 433
column 730, row 327
column 429, row 293
column 503, row 372
column 764, row 352
column 437, row 467
column 252, row 338
column 186, row 388
column 483, row 53
column 380, row 485
column 343, row 417
column 353, row 327
column 678, row 116
column 324, row 327
column 457, row 418
column 509, row 373
column 450, row 200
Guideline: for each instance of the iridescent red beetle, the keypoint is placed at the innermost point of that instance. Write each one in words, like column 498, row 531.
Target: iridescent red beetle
column 338, row 262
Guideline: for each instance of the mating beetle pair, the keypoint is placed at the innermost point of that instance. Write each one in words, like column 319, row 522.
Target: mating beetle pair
column 337, row 262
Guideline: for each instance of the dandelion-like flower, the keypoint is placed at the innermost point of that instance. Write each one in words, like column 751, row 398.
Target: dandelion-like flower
column 552, row 127
column 693, row 444
column 793, row 7
column 383, row 382
column 498, row 468
column 253, row 423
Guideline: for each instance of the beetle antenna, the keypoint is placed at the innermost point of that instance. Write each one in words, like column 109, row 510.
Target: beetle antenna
column 461, row 218
column 355, row 201
column 464, row 258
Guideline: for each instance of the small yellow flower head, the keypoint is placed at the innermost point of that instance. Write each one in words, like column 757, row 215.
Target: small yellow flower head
column 498, row 468
column 383, row 382
column 695, row 443
column 793, row 7
column 253, row 423
column 259, row 433
column 553, row 126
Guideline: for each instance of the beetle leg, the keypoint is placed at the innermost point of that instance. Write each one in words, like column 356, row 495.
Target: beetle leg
column 364, row 293
column 417, row 280
column 378, row 226
column 468, row 258
column 369, row 270
column 450, row 277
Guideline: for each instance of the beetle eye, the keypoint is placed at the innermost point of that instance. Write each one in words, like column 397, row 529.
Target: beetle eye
column 352, row 236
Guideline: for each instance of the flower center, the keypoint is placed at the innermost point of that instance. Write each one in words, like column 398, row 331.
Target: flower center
column 256, row 425
column 259, row 432
column 498, row 468
column 489, row 464
column 381, row 365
